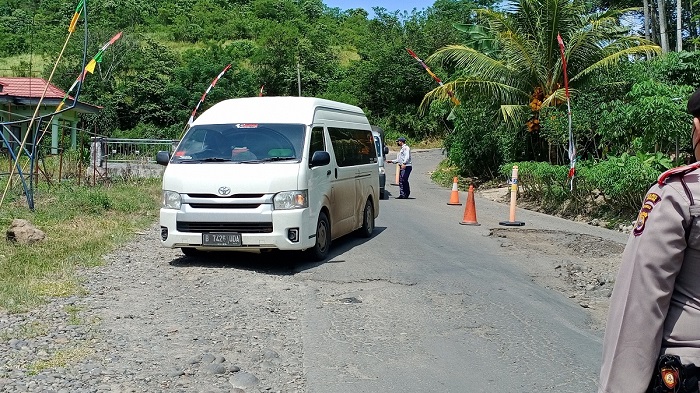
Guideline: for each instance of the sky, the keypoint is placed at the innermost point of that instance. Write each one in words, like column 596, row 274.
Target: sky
column 390, row 5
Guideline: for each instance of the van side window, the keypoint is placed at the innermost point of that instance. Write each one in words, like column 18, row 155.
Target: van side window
column 317, row 141
column 353, row 147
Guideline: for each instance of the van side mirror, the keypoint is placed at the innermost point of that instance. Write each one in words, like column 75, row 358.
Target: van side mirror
column 386, row 150
column 320, row 158
column 163, row 157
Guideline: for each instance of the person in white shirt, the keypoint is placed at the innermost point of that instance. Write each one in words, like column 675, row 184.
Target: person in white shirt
column 403, row 158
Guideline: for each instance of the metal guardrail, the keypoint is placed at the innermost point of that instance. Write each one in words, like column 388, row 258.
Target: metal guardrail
column 130, row 150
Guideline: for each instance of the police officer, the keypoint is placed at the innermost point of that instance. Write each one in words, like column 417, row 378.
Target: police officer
column 653, row 329
column 403, row 158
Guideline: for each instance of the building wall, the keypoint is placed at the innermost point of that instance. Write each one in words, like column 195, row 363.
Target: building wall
column 65, row 122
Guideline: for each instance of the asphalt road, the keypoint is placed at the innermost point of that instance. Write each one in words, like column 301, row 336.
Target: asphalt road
column 429, row 305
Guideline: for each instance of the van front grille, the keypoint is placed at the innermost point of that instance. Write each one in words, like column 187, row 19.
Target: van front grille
column 240, row 227
column 229, row 196
column 224, row 205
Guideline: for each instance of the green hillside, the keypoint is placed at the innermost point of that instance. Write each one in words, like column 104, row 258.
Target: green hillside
column 150, row 79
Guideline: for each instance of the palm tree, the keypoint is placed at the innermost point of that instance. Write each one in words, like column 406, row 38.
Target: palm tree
column 521, row 69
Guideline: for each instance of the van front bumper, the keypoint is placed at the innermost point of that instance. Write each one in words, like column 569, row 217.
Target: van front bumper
column 282, row 222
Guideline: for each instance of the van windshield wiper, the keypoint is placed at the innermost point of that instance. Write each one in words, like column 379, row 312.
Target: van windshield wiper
column 268, row 159
column 214, row 159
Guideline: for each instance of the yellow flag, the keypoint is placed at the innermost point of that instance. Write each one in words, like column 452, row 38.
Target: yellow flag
column 90, row 67
column 73, row 22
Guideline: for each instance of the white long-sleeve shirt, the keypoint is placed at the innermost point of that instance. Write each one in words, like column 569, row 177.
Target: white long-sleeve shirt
column 403, row 157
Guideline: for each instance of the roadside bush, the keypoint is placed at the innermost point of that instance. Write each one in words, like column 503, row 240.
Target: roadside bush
column 540, row 180
column 622, row 181
column 614, row 186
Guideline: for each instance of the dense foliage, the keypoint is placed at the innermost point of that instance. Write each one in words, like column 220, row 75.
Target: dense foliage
column 152, row 78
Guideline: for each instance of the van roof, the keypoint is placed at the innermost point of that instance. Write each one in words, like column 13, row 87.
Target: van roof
column 299, row 110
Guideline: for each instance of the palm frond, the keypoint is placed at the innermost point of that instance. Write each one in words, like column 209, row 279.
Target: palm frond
column 470, row 60
column 495, row 92
column 613, row 58
column 515, row 115
column 557, row 96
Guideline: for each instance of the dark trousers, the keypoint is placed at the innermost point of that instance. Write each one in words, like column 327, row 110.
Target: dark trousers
column 404, row 187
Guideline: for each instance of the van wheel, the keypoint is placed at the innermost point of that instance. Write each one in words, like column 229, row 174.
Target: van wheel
column 191, row 251
column 323, row 239
column 367, row 220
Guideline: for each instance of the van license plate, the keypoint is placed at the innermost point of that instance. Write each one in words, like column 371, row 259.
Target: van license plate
column 221, row 239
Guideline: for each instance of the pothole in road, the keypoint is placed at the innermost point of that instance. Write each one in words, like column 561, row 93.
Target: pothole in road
column 555, row 242
column 581, row 266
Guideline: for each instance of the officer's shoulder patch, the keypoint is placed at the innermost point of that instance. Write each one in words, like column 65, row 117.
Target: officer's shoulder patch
column 650, row 201
column 678, row 171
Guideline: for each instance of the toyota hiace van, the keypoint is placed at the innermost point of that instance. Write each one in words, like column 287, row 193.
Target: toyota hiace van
column 265, row 173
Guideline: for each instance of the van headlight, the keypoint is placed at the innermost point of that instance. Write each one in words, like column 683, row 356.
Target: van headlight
column 287, row 200
column 171, row 200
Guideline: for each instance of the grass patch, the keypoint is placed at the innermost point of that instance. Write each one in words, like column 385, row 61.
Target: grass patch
column 81, row 223
column 60, row 359
column 72, row 311
column 428, row 144
column 9, row 64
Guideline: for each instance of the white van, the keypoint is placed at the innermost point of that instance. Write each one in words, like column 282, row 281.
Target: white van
column 265, row 173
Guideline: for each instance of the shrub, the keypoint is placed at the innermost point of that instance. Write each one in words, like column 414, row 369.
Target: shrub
column 621, row 181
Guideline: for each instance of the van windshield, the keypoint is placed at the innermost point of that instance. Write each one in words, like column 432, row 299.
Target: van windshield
column 248, row 143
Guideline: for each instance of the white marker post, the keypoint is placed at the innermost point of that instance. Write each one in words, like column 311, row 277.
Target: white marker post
column 513, row 198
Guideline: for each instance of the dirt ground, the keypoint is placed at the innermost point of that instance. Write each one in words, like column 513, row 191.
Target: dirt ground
column 583, row 268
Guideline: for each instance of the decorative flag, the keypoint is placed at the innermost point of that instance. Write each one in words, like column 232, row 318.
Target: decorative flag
column 422, row 63
column 572, row 144
column 213, row 83
column 90, row 67
column 76, row 16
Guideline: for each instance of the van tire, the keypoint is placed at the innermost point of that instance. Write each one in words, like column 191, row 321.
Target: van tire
column 319, row 252
column 367, row 220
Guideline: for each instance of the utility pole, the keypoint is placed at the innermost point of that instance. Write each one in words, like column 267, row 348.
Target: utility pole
column 299, row 78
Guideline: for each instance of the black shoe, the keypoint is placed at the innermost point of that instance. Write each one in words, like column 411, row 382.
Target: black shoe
column 401, row 197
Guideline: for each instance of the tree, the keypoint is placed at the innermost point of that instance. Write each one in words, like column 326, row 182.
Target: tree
column 663, row 26
column 524, row 73
column 679, row 26
column 647, row 27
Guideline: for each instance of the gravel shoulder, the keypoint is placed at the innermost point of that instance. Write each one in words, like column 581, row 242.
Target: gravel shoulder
column 153, row 320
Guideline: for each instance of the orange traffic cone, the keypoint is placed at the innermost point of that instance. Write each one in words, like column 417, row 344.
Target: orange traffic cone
column 454, row 197
column 470, row 209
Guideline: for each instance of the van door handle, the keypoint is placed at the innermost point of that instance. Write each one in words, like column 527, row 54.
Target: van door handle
column 328, row 173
